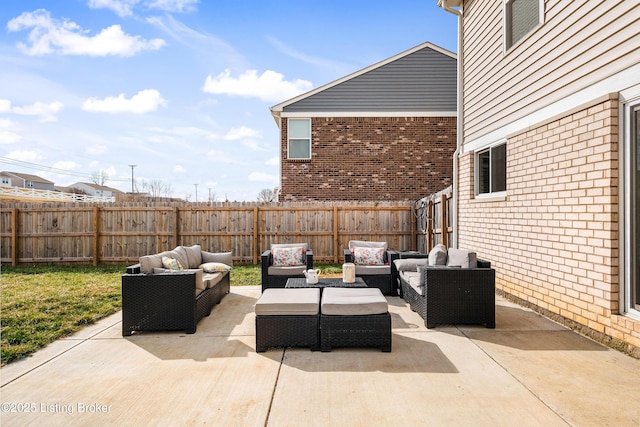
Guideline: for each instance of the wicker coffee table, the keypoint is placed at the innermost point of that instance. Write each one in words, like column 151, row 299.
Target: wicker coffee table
column 324, row 283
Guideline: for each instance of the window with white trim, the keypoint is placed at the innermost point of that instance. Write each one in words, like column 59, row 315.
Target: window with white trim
column 631, row 264
column 520, row 18
column 299, row 137
column 491, row 169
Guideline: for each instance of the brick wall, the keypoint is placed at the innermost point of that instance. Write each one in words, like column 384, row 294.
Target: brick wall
column 365, row 159
column 554, row 240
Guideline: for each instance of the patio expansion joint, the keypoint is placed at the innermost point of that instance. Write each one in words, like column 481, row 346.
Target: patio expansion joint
column 275, row 387
column 508, row 372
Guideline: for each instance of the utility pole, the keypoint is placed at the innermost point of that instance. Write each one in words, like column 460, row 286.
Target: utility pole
column 132, row 166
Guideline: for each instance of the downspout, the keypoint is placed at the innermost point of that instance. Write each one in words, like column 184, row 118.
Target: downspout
column 459, row 121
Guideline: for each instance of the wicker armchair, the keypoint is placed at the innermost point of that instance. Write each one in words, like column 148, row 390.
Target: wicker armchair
column 450, row 295
column 276, row 276
column 375, row 276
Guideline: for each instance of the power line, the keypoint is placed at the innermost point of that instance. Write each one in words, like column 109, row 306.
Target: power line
column 35, row 166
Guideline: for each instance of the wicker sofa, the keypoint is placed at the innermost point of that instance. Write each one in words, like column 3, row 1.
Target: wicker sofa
column 459, row 291
column 155, row 298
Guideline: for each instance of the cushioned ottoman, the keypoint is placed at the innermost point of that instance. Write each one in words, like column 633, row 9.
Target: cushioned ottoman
column 288, row 318
column 354, row 317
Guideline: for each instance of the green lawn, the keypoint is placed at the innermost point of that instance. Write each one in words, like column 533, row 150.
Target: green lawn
column 40, row 304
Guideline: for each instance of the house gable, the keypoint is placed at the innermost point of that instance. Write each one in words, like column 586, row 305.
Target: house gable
column 420, row 81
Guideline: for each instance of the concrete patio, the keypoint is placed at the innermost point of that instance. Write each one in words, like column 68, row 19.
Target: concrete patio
column 529, row 371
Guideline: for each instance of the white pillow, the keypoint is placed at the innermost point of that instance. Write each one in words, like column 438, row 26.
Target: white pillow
column 215, row 267
column 285, row 257
column 368, row 256
column 171, row 263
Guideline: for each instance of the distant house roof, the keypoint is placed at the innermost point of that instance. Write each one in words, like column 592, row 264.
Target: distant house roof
column 26, row 177
column 97, row 187
column 420, row 80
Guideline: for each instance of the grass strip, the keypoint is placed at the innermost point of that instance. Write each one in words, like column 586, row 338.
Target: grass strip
column 43, row 303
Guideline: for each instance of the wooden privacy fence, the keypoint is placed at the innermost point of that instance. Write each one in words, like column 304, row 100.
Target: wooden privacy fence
column 121, row 234
column 433, row 220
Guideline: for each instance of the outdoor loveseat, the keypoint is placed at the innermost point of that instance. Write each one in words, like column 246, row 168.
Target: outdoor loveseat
column 449, row 287
column 173, row 290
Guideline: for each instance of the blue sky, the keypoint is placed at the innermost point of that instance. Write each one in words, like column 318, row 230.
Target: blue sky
column 181, row 88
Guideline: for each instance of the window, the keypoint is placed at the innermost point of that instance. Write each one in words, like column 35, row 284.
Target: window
column 631, row 292
column 491, row 170
column 29, row 184
column 521, row 16
column 299, row 138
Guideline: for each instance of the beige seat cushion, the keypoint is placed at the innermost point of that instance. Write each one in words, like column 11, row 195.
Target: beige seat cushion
column 292, row 302
column 372, row 270
column 353, row 301
column 295, row 270
column 212, row 279
column 413, row 279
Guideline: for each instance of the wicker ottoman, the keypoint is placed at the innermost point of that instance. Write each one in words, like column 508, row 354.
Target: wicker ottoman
column 288, row 318
column 354, row 318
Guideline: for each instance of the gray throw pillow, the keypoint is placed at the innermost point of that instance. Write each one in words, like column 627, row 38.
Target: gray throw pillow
column 463, row 258
column 438, row 255
column 410, row 264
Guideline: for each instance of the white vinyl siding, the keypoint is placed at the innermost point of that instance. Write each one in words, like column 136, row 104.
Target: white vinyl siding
column 580, row 44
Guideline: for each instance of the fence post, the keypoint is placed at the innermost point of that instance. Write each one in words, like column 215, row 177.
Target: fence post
column 430, row 213
column 176, row 214
column 445, row 226
column 256, row 236
column 96, row 235
column 336, row 236
column 14, row 236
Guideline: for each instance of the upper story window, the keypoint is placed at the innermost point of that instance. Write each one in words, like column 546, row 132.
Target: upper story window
column 491, row 170
column 299, row 138
column 520, row 17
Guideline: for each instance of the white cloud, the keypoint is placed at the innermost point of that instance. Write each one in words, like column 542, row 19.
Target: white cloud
column 48, row 36
column 274, row 161
column 7, row 136
column 334, row 66
column 270, row 86
column 96, row 150
column 46, row 112
column 262, row 177
column 179, row 169
column 174, row 5
column 120, row 7
column 143, row 102
column 67, row 165
column 241, row 132
column 24, row 155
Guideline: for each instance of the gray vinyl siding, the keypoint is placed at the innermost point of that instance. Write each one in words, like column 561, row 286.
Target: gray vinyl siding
column 424, row 80
column 579, row 44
